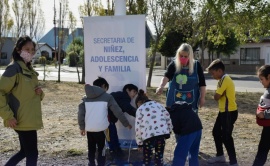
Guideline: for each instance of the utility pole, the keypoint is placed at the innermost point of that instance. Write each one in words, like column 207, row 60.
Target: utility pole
column 59, row 44
column 54, row 23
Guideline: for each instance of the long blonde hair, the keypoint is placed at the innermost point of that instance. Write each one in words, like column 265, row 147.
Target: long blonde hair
column 186, row 48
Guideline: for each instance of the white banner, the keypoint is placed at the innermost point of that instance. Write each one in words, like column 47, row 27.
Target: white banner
column 115, row 50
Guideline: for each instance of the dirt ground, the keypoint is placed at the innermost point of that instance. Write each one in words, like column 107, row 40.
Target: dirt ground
column 60, row 142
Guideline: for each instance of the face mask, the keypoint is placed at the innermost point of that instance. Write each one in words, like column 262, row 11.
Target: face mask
column 184, row 61
column 27, row 57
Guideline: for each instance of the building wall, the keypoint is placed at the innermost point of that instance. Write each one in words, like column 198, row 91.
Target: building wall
column 43, row 47
column 7, row 48
column 233, row 64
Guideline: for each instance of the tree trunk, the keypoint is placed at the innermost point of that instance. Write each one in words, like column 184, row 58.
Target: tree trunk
column 78, row 72
column 152, row 63
column 209, row 57
column 83, row 73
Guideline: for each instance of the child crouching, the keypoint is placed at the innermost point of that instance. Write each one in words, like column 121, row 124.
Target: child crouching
column 152, row 126
column 187, row 124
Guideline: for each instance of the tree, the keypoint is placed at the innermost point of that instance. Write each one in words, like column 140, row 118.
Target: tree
column 62, row 34
column 72, row 27
column 35, row 18
column 162, row 14
column 229, row 46
column 91, row 8
column 136, row 7
column 19, row 8
column 6, row 22
column 88, row 9
column 251, row 21
column 171, row 43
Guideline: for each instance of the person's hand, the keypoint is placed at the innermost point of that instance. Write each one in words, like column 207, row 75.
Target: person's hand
column 38, row 90
column 260, row 115
column 159, row 90
column 202, row 101
column 129, row 127
column 83, row 132
column 140, row 149
column 12, row 123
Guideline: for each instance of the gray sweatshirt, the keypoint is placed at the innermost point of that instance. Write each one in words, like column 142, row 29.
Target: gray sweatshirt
column 93, row 111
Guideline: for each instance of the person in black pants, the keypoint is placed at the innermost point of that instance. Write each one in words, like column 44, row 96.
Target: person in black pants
column 93, row 118
column 263, row 116
column 20, row 101
column 227, row 115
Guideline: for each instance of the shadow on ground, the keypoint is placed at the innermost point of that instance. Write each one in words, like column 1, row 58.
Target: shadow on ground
column 134, row 158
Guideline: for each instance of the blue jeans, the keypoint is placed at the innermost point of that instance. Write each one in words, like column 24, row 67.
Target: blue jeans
column 29, row 150
column 187, row 144
column 114, row 141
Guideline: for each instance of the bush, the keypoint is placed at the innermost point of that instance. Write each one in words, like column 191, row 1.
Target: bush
column 73, row 59
column 42, row 60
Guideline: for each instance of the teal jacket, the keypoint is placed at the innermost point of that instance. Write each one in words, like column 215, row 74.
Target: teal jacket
column 18, row 98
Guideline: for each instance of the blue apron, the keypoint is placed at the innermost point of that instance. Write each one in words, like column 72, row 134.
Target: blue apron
column 184, row 87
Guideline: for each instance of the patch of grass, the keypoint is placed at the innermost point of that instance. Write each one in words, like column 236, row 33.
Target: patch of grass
column 74, row 152
column 6, row 150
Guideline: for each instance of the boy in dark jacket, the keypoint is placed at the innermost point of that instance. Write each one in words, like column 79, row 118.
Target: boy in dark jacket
column 187, row 124
column 93, row 118
column 123, row 99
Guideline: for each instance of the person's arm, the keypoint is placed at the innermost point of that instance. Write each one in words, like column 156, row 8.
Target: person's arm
column 202, row 84
column 202, row 97
column 81, row 118
column 217, row 96
column 116, row 110
column 138, row 135
column 221, row 89
column 7, row 83
column 162, row 84
column 124, row 103
column 168, row 75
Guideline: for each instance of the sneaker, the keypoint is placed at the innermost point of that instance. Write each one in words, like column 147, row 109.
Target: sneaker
column 218, row 159
column 234, row 164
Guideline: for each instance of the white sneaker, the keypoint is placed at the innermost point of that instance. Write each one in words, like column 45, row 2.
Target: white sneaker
column 218, row 159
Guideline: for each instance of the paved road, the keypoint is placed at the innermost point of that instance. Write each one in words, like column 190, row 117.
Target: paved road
column 243, row 83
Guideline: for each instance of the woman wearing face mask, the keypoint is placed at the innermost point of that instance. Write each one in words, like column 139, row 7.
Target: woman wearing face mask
column 20, row 101
column 186, row 79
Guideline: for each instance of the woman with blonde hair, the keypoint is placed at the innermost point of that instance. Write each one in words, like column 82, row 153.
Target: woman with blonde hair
column 186, row 79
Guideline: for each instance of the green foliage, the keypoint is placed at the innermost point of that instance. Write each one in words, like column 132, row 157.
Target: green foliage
column 73, row 59
column 75, row 49
column 74, row 152
column 91, row 8
column 42, row 60
column 170, row 44
column 136, row 7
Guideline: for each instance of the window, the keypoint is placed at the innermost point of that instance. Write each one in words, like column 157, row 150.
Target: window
column 3, row 55
column 249, row 56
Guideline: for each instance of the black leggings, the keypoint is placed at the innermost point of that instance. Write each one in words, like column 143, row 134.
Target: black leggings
column 28, row 143
column 263, row 147
column 148, row 145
